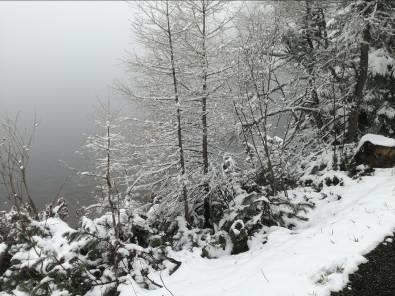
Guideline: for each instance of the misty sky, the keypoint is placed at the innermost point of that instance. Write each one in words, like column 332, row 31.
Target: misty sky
column 57, row 59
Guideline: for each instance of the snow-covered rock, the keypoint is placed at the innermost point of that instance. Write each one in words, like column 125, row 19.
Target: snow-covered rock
column 378, row 140
column 376, row 151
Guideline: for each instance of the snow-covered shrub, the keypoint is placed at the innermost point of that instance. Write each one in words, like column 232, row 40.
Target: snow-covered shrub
column 219, row 244
column 40, row 257
column 21, row 262
column 358, row 171
column 240, row 208
column 329, row 167
column 60, row 210
column 138, row 252
column 5, row 242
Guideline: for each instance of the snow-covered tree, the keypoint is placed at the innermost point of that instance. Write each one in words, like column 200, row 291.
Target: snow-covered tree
column 182, row 74
column 204, row 47
column 265, row 102
column 158, row 31
column 364, row 30
column 112, row 163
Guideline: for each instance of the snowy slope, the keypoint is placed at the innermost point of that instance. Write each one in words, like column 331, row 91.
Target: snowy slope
column 313, row 259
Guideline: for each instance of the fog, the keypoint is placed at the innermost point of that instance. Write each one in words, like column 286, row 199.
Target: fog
column 57, row 59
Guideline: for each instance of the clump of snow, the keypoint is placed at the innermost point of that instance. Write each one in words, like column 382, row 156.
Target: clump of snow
column 314, row 258
column 3, row 248
column 14, row 293
column 380, row 62
column 387, row 111
column 376, row 140
column 238, row 224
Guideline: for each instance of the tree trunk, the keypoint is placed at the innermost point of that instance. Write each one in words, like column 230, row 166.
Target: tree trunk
column 207, row 206
column 179, row 128
column 313, row 90
column 353, row 120
column 32, row 205
column 315, row 104
column 109, row 184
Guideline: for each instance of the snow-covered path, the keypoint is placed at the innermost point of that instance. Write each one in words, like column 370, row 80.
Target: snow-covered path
column 313, row 259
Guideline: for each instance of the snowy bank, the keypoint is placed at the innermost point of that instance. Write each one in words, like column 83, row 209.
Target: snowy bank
column 313, row 259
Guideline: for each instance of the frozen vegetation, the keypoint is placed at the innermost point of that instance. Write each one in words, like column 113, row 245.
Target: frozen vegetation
column 249, row 174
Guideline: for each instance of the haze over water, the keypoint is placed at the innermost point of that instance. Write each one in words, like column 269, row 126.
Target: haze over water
column 57, row 59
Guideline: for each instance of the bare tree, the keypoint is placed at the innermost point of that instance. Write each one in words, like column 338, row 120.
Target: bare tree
column 159, row 31
column 110, row 153
column 259, row 89
column 204, row 47
column 15, row 150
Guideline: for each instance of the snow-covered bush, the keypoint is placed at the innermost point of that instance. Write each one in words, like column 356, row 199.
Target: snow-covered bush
column 58, row 210
column 41, row 257
column 240, row 207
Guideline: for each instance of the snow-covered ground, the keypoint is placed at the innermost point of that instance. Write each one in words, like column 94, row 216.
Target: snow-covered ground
column 313, row 259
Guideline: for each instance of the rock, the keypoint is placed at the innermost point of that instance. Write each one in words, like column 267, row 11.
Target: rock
column 376, row 151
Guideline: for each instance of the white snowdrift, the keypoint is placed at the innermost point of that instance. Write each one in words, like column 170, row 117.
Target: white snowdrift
column 313, row 259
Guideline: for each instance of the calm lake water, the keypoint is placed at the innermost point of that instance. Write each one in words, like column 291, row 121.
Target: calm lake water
column 57, row 59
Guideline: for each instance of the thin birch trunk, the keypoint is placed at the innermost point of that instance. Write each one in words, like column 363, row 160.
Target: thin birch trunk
column 207, row 206
column 179, row 127
column 353, row 120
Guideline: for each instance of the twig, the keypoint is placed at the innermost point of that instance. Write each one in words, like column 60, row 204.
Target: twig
column 164, row 285
column 264, row 276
